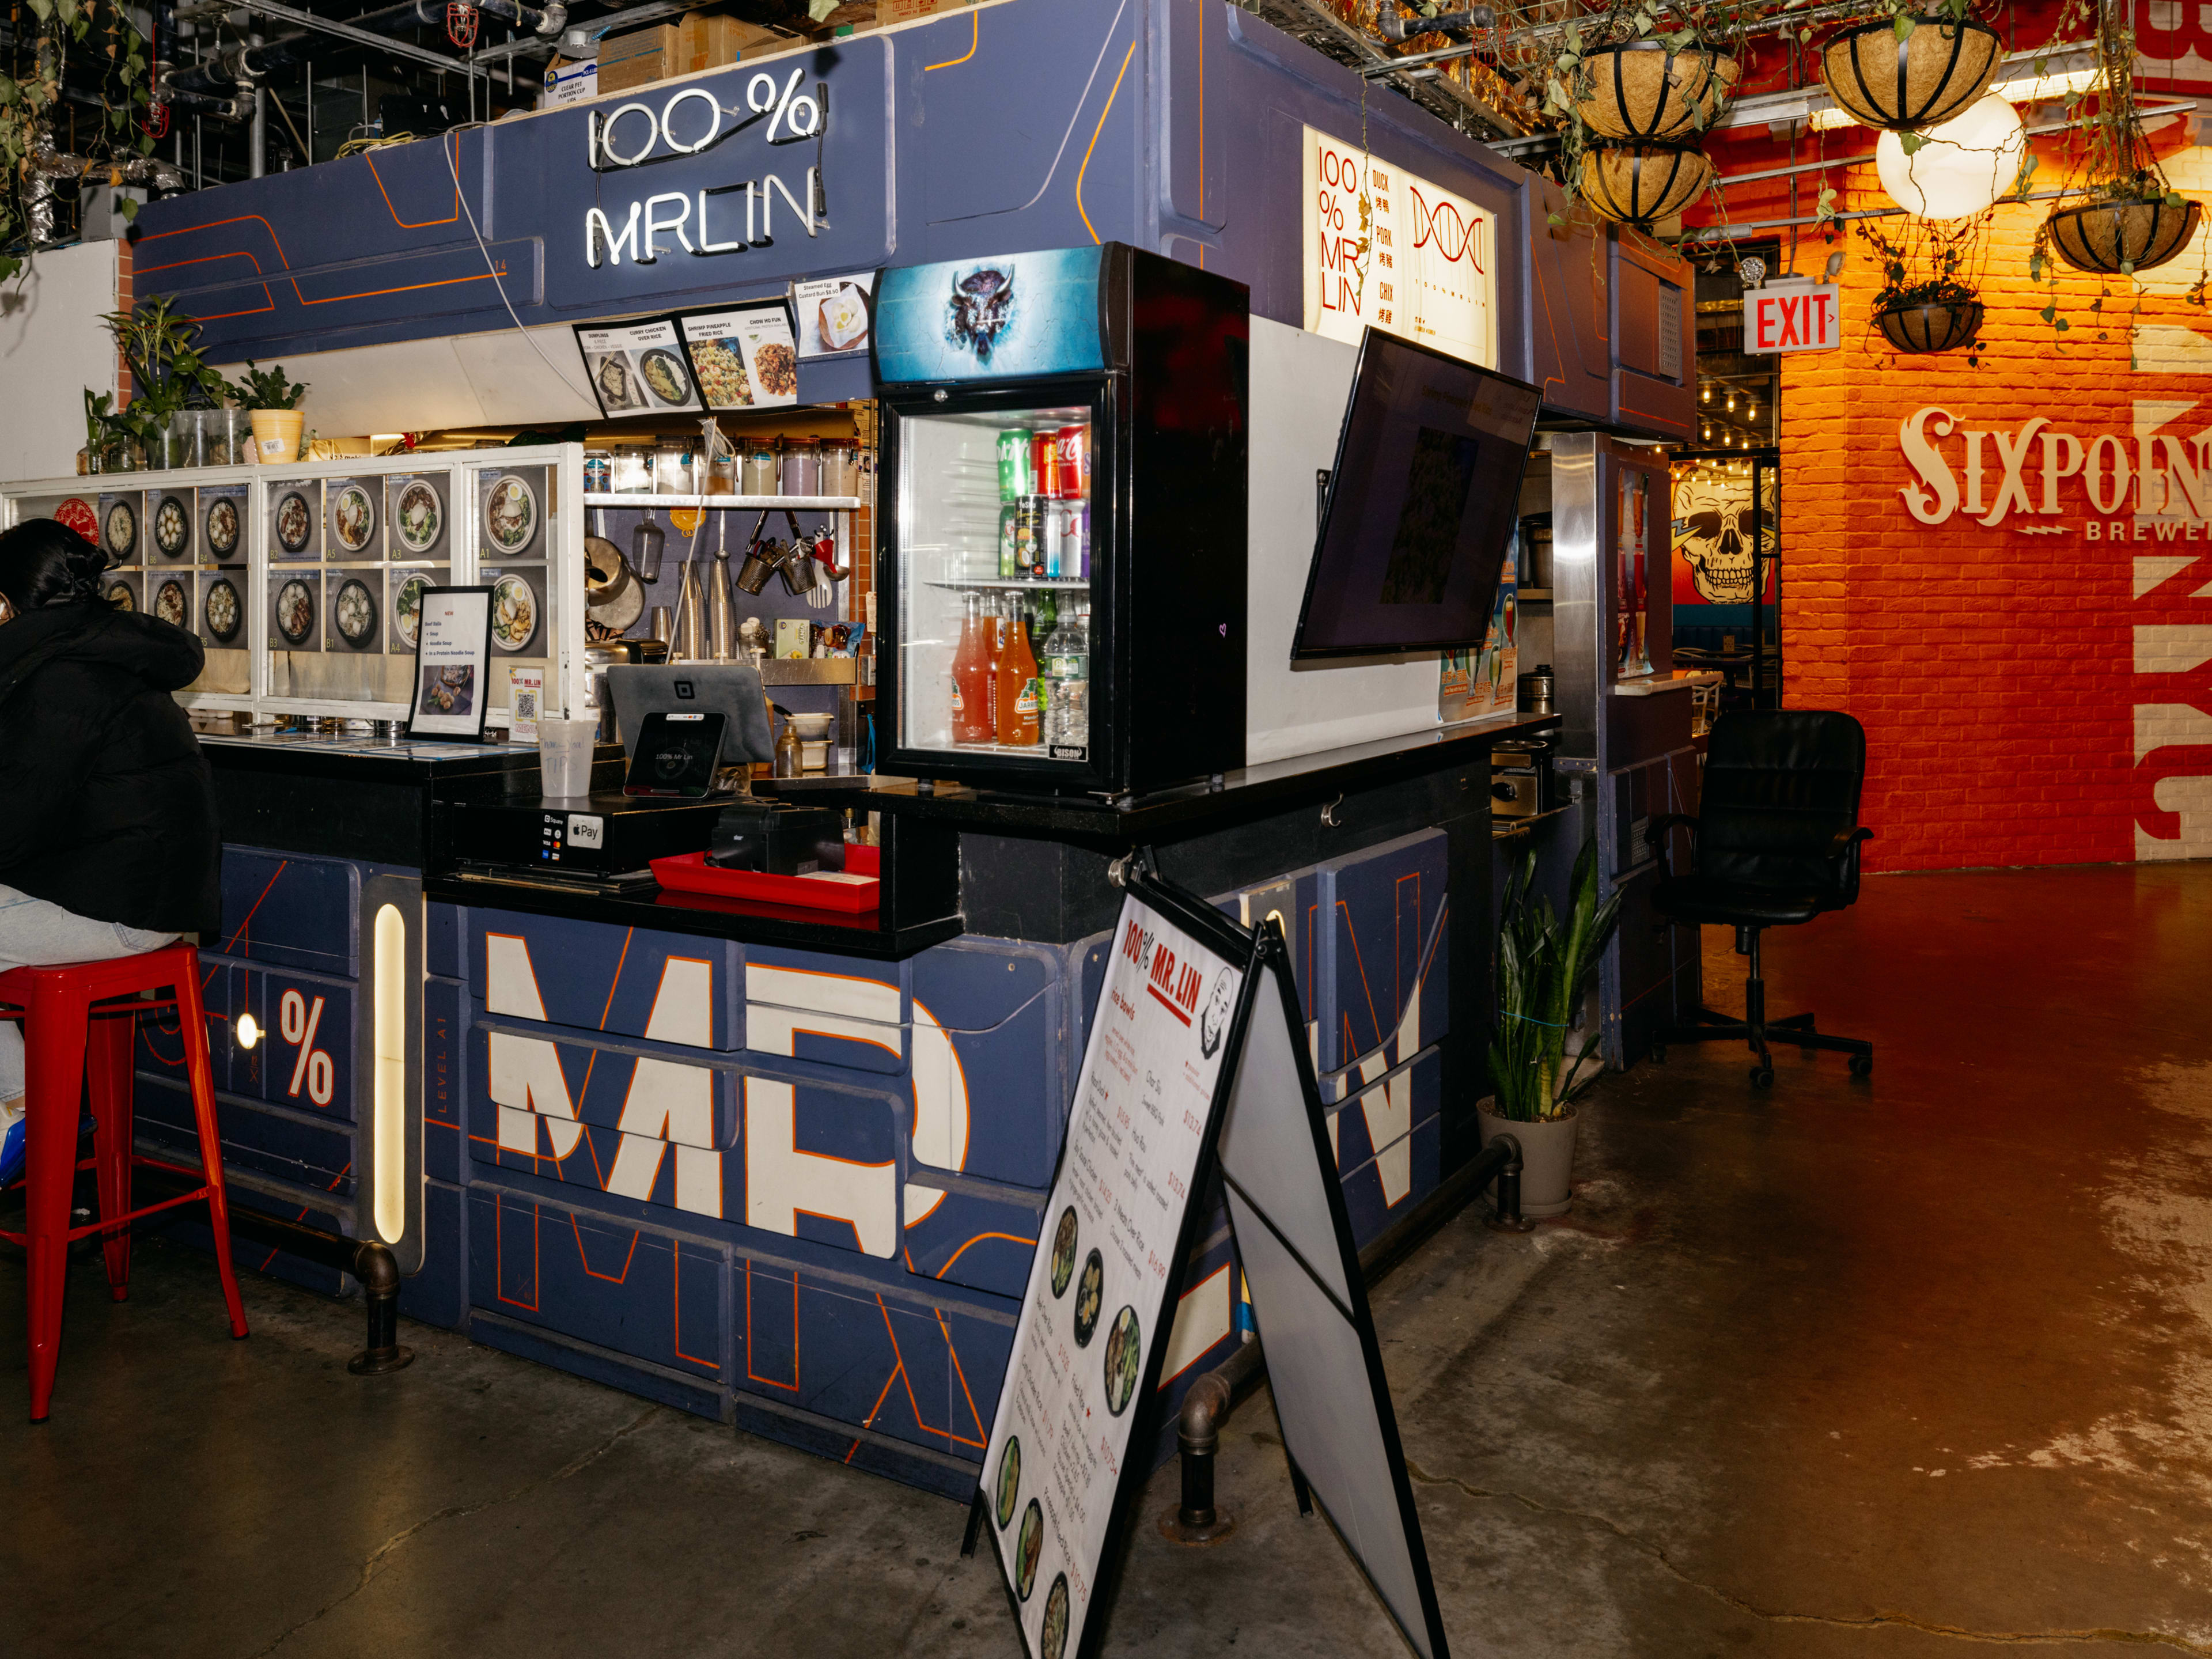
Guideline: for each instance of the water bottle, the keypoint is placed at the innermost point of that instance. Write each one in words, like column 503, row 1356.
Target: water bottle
column 1066, row 669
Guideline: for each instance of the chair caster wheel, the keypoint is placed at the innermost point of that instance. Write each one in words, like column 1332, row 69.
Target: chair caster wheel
column 1659, row 1053
column 1861, row 1065
column 1762, row 1077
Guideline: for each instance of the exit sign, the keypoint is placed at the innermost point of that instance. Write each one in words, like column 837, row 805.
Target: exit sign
column 1792, row 317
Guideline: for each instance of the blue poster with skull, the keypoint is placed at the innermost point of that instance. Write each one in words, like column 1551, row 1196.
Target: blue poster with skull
column 1009, row 316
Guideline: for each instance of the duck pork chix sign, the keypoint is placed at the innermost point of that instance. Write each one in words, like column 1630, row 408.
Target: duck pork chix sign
column 769, row 146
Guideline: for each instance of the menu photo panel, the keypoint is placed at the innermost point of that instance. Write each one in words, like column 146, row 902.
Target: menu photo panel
column 745, row 356
column 638, row 367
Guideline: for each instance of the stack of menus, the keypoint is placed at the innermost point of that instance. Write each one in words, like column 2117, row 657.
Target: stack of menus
column 734, row 357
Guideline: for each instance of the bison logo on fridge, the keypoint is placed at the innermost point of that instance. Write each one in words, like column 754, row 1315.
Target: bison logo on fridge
column 983, row 308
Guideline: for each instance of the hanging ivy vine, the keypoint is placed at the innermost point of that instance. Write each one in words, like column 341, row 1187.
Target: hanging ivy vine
column 97, row 40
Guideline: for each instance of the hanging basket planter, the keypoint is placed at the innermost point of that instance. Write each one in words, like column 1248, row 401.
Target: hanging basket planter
column 1639, row 185
column 1936, row 325
column 2123, row 235
column 1642, row 91
column 1906, row 85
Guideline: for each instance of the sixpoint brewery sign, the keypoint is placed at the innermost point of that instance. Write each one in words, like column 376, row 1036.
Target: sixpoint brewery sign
column 1386, row 247
column 2042, row 472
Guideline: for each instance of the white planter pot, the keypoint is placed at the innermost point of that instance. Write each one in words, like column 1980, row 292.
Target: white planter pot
column 1547, row 1160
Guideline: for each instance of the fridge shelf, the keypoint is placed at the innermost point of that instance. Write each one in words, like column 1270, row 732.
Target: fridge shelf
column 1014, row 582
column 745, row 504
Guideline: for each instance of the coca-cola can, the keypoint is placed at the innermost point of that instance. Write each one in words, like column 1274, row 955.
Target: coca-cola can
column 1071, row 453
column 1044, row 462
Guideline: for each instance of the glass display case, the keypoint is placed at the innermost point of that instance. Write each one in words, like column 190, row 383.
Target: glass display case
column 1063, row 548
column 304, row 582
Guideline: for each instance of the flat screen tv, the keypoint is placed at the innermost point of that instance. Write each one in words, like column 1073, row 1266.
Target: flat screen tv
column 1421, row 505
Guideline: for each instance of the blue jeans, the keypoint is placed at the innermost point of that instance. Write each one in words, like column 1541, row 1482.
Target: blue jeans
column 35, row 934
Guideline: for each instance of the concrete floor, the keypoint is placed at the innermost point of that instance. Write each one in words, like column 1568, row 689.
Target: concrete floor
column 1843, row 1369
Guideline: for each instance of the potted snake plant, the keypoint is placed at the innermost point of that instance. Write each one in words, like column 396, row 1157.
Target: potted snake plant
column 1544, row 964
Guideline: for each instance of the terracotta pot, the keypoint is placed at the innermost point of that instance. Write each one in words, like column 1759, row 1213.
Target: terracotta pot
column 2121, row 236
column 1642, row 183
column 1908, row 85
column 276, row 434
column 1934, row 327
column 1548, row 1160
column 1642, row 91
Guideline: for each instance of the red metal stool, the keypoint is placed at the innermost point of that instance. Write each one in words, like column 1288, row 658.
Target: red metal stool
column 59, row 1006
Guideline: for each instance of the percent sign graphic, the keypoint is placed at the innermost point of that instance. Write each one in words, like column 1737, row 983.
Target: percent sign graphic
column 762, row 96
column 297, row 1021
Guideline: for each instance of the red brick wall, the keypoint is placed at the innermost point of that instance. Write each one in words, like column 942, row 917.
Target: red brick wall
column 1992, row 668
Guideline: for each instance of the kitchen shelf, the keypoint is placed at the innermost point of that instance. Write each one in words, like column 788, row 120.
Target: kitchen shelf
column 1538, row 595
column 743, row 503
column 810, row 670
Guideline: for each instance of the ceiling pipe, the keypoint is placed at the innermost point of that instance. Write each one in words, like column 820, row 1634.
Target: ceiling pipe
column 46, row 166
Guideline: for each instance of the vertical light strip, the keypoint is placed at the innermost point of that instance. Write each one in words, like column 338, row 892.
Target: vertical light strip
column 389, row 1102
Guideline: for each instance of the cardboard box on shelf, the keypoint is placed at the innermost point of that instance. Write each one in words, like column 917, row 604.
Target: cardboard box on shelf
column 711, row 41
column 638, row 58
column 906, row 11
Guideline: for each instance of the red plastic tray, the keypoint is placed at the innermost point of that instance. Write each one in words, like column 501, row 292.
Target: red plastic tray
column 853, row 892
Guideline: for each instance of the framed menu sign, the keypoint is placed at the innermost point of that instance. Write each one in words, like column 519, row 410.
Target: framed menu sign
column 1086, row 1354
column 638, row 368
column 745, row 356
column 452, row 657
column 1197, row 1064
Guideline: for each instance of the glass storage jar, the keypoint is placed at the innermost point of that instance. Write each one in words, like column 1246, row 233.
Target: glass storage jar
column 840, row 466
column 802, row 466
column 757, row 465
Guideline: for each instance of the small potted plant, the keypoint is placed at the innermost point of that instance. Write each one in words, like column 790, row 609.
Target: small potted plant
column 1544, row 963
column 1913, row 65
column 171, row 376
column 273, row 404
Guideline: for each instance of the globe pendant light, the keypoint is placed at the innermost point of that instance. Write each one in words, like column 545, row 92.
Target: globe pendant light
column 1960, row 168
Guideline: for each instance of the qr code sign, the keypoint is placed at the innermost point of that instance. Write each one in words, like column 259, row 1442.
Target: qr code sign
column 525, row 705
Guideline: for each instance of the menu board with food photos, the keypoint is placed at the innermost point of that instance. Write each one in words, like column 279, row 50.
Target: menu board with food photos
column 637, row 368
column 745, row 356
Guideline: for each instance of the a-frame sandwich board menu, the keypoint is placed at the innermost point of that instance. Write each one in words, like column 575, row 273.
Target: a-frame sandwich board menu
column 1172, row 1058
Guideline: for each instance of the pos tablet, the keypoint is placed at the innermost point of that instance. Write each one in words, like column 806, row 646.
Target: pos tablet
column 676, row 755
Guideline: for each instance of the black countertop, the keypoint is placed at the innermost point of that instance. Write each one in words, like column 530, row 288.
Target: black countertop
column 1251, row 793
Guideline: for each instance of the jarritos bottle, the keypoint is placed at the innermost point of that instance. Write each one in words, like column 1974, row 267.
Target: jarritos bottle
column 995, row 647
column 971, row 679
column 1018, row 687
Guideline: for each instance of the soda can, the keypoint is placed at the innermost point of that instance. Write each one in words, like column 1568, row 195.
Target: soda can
column 1055, row 525
column 1015, row 477
column 1073, row 554
column 1044, row 462
column 1072, row 450
column 1010, row 543
column 1029, row 535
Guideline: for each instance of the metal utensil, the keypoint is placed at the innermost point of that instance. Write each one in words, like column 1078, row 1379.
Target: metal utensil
column 646, row 543
column 721, row 615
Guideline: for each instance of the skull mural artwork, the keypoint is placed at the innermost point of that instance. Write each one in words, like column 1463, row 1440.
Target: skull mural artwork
column 982, row 308
column 1713, row 535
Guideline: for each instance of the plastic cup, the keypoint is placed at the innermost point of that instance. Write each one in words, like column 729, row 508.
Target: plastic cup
column 564, row 757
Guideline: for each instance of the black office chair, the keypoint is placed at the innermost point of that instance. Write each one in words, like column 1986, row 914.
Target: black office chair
column 1775, row 843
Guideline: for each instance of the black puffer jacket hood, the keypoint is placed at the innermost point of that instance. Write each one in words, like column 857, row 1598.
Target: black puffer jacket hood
column 106, row 807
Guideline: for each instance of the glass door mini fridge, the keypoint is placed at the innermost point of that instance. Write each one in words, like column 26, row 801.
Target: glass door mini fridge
column 1061, row 578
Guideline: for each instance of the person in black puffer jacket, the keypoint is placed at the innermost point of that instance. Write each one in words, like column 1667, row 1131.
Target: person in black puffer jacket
column 108, row 838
